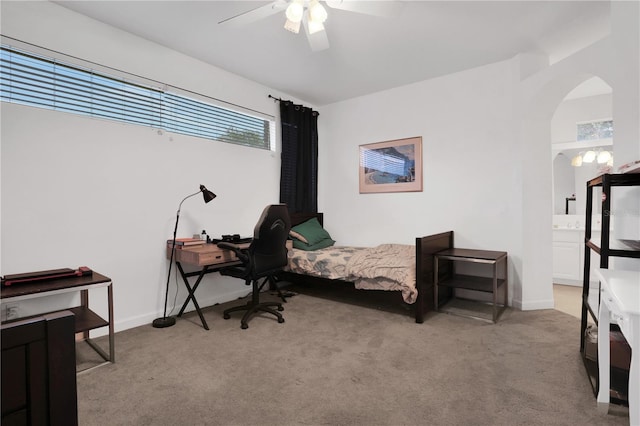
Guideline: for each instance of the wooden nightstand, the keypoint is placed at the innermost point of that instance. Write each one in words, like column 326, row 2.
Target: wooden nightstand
column 471, row 282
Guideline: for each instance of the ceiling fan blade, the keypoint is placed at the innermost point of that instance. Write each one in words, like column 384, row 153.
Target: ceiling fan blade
column 256, row 14
column 318, row 40
column 387, row 8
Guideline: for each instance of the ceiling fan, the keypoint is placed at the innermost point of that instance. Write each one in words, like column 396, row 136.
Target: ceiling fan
column 312, row 15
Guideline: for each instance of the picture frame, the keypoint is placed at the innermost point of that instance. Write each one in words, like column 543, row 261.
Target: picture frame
column 391, row 166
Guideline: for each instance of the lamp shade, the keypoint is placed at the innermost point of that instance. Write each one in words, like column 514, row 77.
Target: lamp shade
column 208, row 195
column 314, row 26
column 604, row 157
column 317, row 12
column 589, row 156
column 294, row 11
column 576, row 161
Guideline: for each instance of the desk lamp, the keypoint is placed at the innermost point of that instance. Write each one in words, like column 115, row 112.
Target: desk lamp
column 166, row 321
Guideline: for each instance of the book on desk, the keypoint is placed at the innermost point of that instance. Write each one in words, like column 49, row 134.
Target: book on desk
column 186, row 242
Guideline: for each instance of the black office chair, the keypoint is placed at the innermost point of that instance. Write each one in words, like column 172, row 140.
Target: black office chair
column 266, row 255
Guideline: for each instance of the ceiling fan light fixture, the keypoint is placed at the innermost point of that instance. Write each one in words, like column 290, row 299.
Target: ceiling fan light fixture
column 292, row 26
column 317, row 12
column 314, row 27
column 295, row 11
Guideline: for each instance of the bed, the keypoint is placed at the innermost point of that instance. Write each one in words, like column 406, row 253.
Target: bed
column 388, row 276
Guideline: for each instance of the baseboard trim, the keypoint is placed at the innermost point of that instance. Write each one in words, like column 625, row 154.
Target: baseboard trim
column 147, row 319
column 533, row 305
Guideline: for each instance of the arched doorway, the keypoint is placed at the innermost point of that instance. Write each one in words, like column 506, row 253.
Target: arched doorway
column 582, row 148
column 537, row 185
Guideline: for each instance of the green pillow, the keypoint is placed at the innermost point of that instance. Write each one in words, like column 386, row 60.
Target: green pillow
column 312, row 231
column 327, row 242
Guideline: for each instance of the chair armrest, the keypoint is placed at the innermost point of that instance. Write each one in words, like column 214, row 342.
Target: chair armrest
column 240, row 252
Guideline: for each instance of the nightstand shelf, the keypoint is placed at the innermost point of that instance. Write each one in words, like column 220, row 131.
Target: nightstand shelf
column 86, row 319
column 472, row 282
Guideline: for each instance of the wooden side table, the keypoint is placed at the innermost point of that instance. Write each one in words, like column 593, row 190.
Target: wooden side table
column 476, row 283
column 85, row 318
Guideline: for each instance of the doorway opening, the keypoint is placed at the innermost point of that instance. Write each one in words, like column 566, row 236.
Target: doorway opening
column 581, row 149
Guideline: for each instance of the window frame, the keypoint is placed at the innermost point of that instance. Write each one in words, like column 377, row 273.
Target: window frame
column 599, row 136
column 76, row 86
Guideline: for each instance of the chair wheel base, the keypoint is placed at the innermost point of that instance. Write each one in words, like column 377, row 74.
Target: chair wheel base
column 253, row 309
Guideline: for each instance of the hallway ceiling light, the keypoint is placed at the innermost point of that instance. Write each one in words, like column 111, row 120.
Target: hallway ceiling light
column 604, row 157
column 589, row 156
column 576, row 161
column 599, row 155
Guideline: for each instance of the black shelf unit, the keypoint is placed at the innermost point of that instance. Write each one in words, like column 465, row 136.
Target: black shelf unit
column 606, row 248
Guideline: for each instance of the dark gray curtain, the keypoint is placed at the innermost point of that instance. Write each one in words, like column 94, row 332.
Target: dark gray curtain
column 299, row 170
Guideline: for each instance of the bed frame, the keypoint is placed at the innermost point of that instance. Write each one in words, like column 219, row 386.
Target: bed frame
column 385, row 300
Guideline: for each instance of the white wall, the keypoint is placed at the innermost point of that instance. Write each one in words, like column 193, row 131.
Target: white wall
column 571, row 111
column 79, row 191
column 465, row 121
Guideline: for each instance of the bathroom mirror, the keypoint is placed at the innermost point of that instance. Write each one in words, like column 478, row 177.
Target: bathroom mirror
column 570, row 184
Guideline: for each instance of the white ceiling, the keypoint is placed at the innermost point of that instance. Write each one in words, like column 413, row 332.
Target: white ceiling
column 367, row 54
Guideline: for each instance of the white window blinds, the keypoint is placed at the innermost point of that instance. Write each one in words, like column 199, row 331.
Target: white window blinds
column 34, row 80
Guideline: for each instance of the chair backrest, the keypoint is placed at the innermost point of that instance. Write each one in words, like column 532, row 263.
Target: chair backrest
column 268, row 250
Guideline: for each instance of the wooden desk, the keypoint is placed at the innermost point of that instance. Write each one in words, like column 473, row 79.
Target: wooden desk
column 210, row 258
column 620, row 301
column 85, row 318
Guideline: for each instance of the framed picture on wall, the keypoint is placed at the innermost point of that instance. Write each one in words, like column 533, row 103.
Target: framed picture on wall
column 391, row 166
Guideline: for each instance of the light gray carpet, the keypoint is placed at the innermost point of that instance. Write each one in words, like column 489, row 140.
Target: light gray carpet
column 336, row 364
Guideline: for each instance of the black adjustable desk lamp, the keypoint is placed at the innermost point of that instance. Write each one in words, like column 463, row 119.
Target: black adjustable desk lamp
column 166, row 321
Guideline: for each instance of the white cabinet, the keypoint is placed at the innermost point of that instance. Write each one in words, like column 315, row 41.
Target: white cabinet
column 566, row 260
column 567, row 256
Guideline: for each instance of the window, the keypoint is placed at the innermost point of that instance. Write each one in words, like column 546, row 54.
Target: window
column 34, row 80
column 592, row 130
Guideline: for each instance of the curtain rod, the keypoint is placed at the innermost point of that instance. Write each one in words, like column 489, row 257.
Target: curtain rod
column 301, row 106
column 136, row 75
